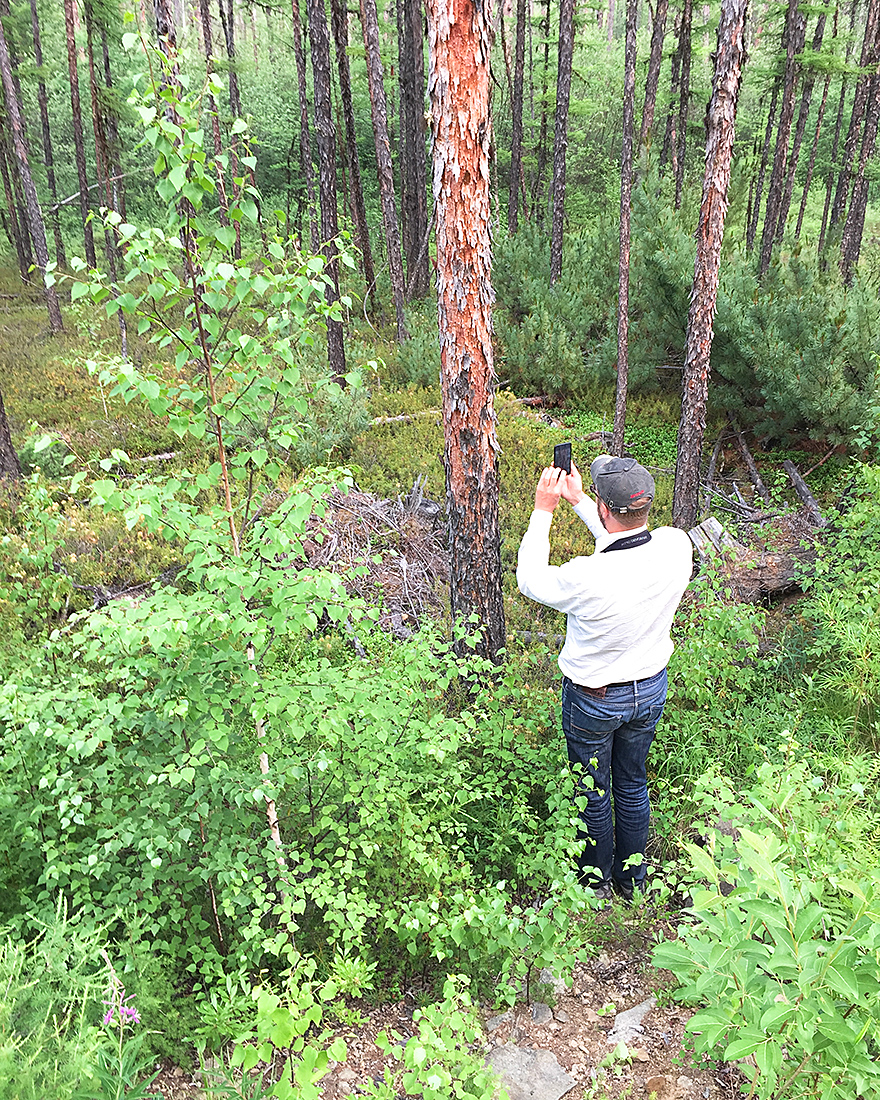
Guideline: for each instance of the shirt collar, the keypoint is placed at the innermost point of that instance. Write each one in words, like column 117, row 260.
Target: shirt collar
column 608, row 537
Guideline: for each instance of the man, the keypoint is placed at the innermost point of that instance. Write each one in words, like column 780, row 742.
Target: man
column 620, row 603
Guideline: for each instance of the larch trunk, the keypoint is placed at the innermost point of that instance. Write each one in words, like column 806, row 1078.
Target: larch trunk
column 305, row 137
column 519, row 56
column 684, row 96
column 652, row 81
column 78, row 139
column 560, row 136
column 414, row 190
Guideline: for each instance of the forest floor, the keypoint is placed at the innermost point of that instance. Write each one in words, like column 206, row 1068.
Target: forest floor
column 574, row 1024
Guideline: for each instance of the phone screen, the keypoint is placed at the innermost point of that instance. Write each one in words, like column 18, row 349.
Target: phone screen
column 562, row 457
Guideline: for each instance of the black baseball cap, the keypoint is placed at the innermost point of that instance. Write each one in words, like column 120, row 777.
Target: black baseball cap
column 622, row 483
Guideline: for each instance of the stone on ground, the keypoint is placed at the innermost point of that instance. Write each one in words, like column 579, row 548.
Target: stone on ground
column 530, row 1074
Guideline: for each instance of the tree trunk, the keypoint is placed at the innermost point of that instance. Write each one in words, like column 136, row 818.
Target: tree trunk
column 78, row 140
column 538, row 182
column 227, row 22
column 795, row 32
column 305, row 139
column 517, row 110
column 684, row 96
column 803, row 112
column 320, row 41
column 14, row 230
column 626, row 171
column 669, row 138
column 32, row 207
column 851, row 243
column 812, row 164
column 720, row 125
column 414, row 189
column 652, row 82
column 48, row 156
column 10, row 467
column 384, row 168
column 339, row 17
column 208, row 45
column 560, row 138
column 866, row 62
column 460, row 38
column 610, row 27
column 113, row 132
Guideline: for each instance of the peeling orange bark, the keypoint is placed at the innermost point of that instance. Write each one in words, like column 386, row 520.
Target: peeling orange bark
column 460, row 39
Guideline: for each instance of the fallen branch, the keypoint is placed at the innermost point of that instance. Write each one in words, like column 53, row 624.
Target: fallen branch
column 760, row 488
column 802, row 490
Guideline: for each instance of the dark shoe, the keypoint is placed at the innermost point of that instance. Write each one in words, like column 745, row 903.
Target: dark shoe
column 627, row 890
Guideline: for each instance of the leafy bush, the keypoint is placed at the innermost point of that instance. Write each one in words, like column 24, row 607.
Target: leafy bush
column 782, row 948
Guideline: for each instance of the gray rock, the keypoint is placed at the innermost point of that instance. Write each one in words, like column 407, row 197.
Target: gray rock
column 541, row 1013
column 529, row 1074
column 561, row 1015
column 494, row 1022
column 628, row 1025
column 547, row 977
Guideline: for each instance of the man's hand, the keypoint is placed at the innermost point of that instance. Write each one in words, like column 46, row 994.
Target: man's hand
column 573, row 486
column 550, row 489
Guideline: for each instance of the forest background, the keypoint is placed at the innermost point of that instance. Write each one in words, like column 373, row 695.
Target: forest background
column 231, row 795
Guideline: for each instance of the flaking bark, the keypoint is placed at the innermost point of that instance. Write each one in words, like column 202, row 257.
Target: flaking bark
column 460, row 40
column 720, row 124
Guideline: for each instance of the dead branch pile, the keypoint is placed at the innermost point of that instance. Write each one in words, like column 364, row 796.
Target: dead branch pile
column 391, row 553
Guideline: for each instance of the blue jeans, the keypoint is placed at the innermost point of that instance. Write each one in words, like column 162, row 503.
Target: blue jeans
column 610, row 738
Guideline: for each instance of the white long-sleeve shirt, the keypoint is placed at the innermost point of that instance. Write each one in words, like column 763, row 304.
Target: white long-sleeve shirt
column 619, row 605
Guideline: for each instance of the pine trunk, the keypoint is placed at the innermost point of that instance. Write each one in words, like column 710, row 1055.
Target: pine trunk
column 320, row 41
column 414, row 190
column 36, row 224
column 78, row 139
column 652, row 81
column 460, row 39
column 795, row 30
column 560, row 137
column 626, row 172
column 305, row 138
column 14, row 230
column 860, row 98
column 517, row 109
column 339, row 17
column 48, row 155
column 720, row 126
column 800, row 127
column 684, row 96
column 812, row 163
column 384, row 168
column 851, row 243
column 10, row 467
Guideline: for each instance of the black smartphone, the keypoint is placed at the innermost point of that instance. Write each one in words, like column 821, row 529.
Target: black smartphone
column 562, row 457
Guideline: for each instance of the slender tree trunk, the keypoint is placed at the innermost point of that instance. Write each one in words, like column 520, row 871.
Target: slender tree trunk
column 78, row 139
column 320, row 41
column 720, row 125
column 305, row 139
column 227, row 23
column 684, row 96
column 10, row 467
column 851, row 242
column 385, row 171
column 860, row 98
column 538, row 182
column 669, row 137
column 812, row 164
column 48, row 155
column 208, row 45
column 339, row 17
column 414, row 190
column 762, row 168
column 652, row 81
column 113, row 133
column 795, row 33
column 36, row 224
column 460, row 39
column 517, row 110
column 560, row 138
column 626, row 172
column 14, row 231
column 610, row 27
column 803, row 112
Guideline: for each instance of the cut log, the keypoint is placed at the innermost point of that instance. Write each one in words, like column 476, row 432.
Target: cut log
column 752, row 575
column 806, row 497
